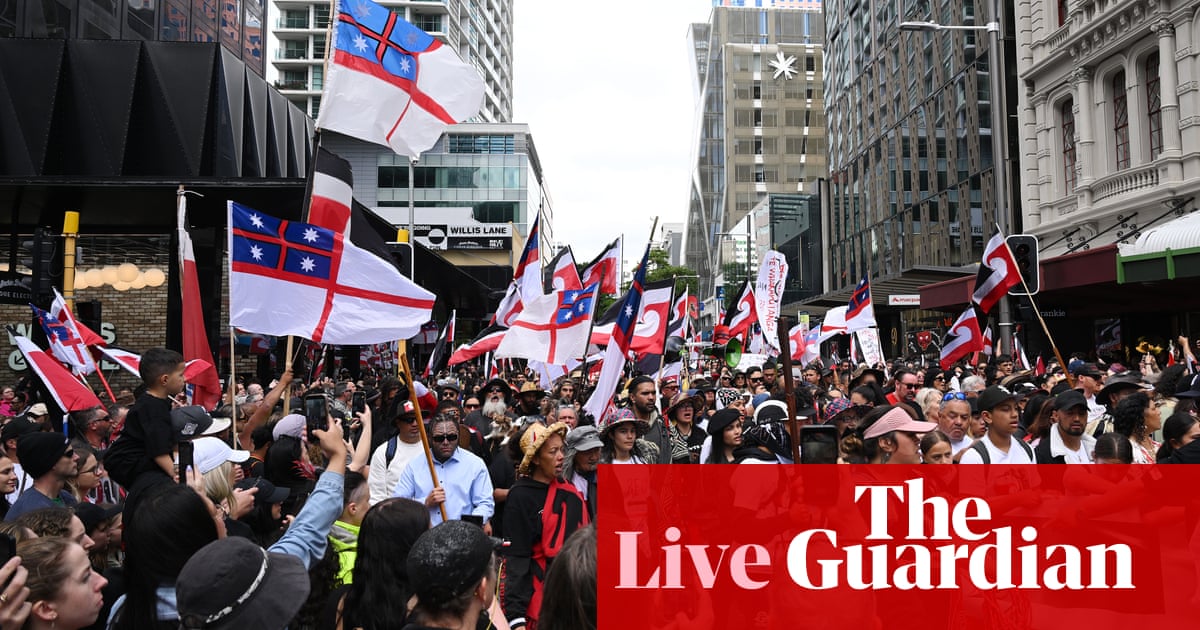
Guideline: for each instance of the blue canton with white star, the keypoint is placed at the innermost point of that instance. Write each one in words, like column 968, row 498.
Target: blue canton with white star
column 574, row 305
column 264, row 241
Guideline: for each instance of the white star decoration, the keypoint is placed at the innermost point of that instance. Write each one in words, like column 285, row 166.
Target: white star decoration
column 256, row 220
column 361, row 9
column 310, row 235
column 256, row 252
column 405, row 64
column 783, row 66
column 628, row 311
column 307, row 264
column 360, row 43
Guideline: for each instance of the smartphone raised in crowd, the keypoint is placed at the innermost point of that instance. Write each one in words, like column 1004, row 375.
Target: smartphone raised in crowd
column 186, row 451
column 359, row 402
column 316, row 414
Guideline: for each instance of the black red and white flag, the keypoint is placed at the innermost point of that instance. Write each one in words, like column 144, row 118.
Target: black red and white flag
column 561, row 274
column 963, row 338
column 997, row 274
column 743, row 314
column 441, row 349
column 486, row 341
column 605, row 269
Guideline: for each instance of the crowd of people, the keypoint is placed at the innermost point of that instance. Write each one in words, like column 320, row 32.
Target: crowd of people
column 151, row 513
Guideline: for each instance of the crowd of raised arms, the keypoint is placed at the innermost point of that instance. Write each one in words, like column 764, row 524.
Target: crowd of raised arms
column 151, row 513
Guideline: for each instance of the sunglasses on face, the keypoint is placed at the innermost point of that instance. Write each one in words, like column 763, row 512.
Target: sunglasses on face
column 495, row 390
column 449, row 437
column 954, row 396
column 475, row 406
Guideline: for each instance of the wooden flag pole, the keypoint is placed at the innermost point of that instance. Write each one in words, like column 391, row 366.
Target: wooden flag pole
column 412, row 397
column 287, row 367
column 231, row 390
column 789, row 387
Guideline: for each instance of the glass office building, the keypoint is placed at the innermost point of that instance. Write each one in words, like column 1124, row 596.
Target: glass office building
column 910, row 138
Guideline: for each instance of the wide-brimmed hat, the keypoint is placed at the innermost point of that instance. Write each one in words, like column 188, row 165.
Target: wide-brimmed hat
column 234, row 583
column 1116, row 383
column 582, row 438
column 533, row 439
column 847, row 413
column 621, row 415
column 497, row 382
column 681, row 399
column 531, row 386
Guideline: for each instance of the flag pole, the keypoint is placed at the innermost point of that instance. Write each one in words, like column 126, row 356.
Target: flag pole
column 412, row 397
column 104, row 382
column 231, row 389
column 789, row 386
column 287, row 366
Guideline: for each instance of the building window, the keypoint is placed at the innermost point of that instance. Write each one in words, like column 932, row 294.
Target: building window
column 1063, row 11
column 480, row 143
column 321, row 16
column 1120, row 120
column 1154, row 105
column 1068, row 145
column 293, row 49
column 316, row 107
column 295, row 18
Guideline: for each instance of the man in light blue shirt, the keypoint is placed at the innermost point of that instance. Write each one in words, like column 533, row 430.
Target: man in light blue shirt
column 465, row 486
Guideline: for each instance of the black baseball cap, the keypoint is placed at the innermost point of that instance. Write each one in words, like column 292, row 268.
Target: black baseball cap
column 1069, row 399
column 993, row 396
column 1087, row 369
column 268, row 493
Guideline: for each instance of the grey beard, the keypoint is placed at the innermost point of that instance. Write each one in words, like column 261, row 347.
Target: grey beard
column 492, row 408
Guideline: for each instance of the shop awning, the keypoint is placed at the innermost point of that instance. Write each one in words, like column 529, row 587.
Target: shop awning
column 1165, row 252
column 908, row 282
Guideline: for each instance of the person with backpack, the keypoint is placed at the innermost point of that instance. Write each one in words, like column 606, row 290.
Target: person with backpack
column 392, row 457
column 998, row 408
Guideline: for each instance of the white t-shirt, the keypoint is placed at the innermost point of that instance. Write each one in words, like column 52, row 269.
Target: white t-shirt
column 383, row 477
column 1015, row 455
column 955, row 447
column 1085, row 454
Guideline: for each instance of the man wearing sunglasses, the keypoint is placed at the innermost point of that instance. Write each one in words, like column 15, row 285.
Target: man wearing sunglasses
column 464, row 486
column 390, row 459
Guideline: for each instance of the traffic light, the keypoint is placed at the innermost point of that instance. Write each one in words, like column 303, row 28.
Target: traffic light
column 37, row 254
column 1024, row 249
column 402, row 254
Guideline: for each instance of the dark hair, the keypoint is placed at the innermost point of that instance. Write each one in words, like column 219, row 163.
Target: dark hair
column 53, row 521
column 261, row 436
column 1036, row 422
column 1114, row 446
column 1174, row 428
column 859, row 450
column 932, row 439
column 281, row 467
column 872, row 392
column 380, row 590
column 156, row 362
column 166, row 527
column 352, row 484
column 569, row 592
column 1168, row 379
column 1129, row 418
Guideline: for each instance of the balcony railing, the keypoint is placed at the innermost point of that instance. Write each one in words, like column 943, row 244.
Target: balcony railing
column 291, row 54
column 1127, row 181
column 291, row 85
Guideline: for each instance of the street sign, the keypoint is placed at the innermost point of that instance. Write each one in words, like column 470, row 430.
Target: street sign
column 14, row 289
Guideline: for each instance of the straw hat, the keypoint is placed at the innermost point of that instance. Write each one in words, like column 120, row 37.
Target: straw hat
column 533, row 439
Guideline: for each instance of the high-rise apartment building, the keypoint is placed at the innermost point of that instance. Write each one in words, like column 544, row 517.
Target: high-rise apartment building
column 761, row 124
column 480, row 31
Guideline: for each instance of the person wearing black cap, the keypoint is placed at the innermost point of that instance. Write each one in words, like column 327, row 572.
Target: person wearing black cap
column 9, row 435
column 1115, row 388
column 725, row 429
column 49, row 459
column 998, row 408
column 1068, row 442
column 1090, row 380
column 452, row 569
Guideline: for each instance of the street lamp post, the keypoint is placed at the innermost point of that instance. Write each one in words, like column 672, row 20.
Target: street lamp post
column 1000, row 172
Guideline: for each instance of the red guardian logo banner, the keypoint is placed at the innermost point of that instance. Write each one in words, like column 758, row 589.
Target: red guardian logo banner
column 883, row 547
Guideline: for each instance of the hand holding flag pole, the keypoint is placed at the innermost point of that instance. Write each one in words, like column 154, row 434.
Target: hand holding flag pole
column 412, row 397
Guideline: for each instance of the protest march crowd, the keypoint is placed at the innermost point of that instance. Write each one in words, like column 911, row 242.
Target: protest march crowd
column 278, row 523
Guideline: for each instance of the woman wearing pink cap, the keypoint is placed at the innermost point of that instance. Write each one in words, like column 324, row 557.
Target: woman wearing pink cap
column 887, row 435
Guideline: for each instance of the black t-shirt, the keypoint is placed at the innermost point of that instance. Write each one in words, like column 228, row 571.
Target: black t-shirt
column 503, row 472
column 147, row 434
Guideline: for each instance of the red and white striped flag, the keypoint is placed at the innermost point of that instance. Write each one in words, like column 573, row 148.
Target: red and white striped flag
column 605, row 269
column 68, row 392
column 206, row 385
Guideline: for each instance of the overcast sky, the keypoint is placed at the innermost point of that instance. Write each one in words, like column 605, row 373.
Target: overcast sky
column 606, row 90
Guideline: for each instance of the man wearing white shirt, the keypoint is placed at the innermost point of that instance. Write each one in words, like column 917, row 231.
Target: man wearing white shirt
column 998, row 407
column 954, row 418
column 1068, row 443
